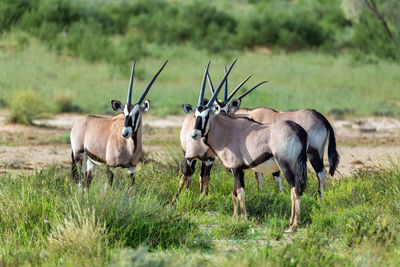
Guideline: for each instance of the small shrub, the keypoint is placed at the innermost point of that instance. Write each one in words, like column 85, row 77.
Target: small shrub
column 25, row 106
column 64, row 101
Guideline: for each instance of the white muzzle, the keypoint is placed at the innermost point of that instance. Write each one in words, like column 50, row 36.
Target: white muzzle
column 126, row 132
column 196, row 134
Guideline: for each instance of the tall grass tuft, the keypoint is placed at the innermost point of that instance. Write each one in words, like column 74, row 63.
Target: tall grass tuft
column 25, row 106
column 81, row 237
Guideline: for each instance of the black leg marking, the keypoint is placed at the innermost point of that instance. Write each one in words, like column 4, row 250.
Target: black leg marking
column 238, row 188
column 238, row 175
column 188, row 171
column 205, row 176
column 275, row 174
column 318, row 166
column 110, row 176
column 287, row 171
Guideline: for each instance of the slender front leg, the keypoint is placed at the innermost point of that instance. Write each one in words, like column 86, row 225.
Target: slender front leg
column 131, row 176
column 110, row 175
column 205, row 176
column 278, row 180
column 238, row 189
column 189, row 172
column 188, row 169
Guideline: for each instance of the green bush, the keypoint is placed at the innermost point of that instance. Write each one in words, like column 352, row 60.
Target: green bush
column 11, row 12
column 288, row 25
column 25, row 106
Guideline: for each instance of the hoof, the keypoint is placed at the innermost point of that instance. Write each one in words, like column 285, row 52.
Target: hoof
column 291, row 230
column 235, row 217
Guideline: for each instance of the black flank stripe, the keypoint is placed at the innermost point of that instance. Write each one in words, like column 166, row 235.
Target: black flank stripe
column 94, row 157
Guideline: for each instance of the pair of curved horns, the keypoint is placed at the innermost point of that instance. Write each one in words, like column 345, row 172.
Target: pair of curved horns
column 141, row 98
column 215, row 93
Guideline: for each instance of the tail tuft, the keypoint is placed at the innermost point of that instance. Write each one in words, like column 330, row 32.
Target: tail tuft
column 333, row 155
column 301, row 172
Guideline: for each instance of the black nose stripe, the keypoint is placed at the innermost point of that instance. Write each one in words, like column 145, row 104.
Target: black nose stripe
column 128, row 121
column 198, row 124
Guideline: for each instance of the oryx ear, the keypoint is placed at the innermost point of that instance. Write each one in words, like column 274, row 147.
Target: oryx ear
column 146, row 106
column 188, row 108
column 235, row 104
column 215, row 110
column 117, row 105
column 205, row 102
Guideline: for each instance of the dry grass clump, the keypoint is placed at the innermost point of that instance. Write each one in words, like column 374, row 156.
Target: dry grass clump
column 81, row 237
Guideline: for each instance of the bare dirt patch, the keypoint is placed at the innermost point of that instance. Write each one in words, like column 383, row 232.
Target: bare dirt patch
column 362, row 143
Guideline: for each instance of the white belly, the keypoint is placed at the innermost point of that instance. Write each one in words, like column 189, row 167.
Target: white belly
column 268, row 166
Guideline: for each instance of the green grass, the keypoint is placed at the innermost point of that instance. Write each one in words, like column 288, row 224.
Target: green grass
column 339, row 85
column 46, row 219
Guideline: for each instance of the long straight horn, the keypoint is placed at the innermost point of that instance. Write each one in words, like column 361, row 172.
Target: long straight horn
column 203, row 86
column 212, row 89
column 237, row 88
column 226, row 89
column 248, row 91
column 214, row 96
column 150, row 84
column 210, row 83
column 129, row 98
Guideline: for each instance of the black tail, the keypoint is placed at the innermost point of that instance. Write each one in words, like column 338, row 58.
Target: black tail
column 333, row 155
column 301, row 172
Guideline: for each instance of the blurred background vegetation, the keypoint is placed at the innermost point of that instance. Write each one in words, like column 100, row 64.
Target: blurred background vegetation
column 352, row 35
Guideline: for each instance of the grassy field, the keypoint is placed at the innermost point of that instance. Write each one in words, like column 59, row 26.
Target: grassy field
column 341, row 85
column 46, row 219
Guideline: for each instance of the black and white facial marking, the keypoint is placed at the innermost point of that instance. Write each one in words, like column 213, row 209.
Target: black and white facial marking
column 202, row 124
column 132, row 114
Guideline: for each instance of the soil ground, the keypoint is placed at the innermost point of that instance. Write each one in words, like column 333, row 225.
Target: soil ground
column 362, row 142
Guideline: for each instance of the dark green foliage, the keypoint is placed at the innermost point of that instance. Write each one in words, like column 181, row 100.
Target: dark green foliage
column 116, row 31
column 11, row 12
column 290, row 25
column 370, row 37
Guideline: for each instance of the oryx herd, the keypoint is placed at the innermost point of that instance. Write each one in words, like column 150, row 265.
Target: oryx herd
column 261, row 139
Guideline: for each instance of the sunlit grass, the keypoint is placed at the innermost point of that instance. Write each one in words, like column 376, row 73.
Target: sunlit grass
column 47, row 219
column 331, row 84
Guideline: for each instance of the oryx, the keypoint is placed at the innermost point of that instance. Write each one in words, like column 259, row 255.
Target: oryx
column 196, row 150
column 113, row 141
column 320, row 132
column 241, row 143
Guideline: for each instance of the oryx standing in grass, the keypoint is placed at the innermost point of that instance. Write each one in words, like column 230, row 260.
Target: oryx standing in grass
column 242, row 143
column 318, row 128
column 196, row 149
column 114, row 141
